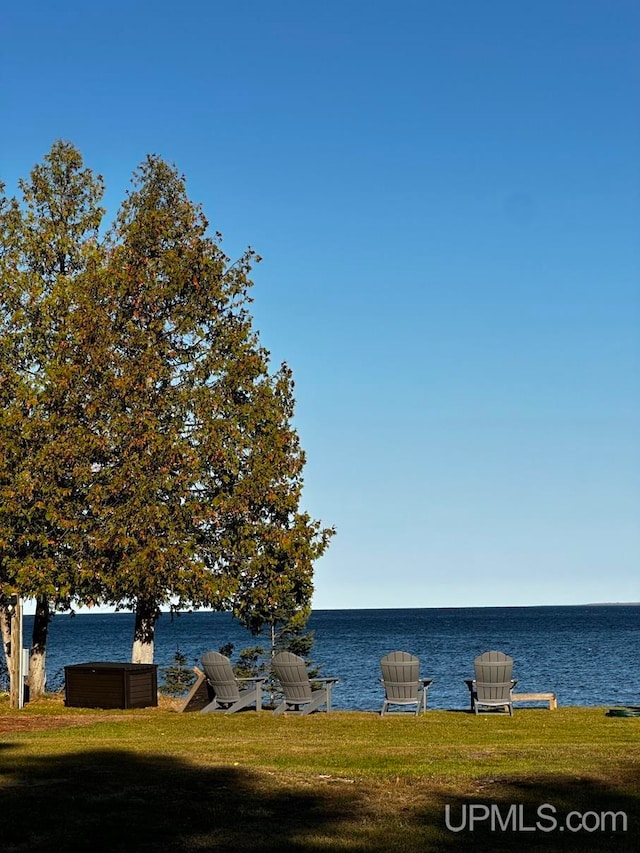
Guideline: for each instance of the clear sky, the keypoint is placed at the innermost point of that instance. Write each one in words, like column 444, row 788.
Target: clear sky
column 447, row 200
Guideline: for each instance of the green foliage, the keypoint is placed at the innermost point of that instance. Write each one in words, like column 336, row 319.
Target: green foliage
column 291, row 636
column 177, row 678
column 147, row 455
column 227, row 649
column 251, row 662
column 47, row 242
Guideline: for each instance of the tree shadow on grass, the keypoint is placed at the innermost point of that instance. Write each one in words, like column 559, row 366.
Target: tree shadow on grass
column 120, row 800
column 123, row 801
column 550, row 813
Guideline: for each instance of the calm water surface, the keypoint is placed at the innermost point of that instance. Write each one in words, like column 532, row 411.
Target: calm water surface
column 587, row 655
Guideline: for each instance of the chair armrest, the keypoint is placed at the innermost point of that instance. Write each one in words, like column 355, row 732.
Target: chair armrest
column 324, row 680
column 426, row 682
column 257, row 679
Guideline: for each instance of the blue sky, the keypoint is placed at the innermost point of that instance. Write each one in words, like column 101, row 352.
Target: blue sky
column 446, row 197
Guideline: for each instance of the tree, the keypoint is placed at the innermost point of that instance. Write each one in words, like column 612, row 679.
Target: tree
column 46, row 243
column 178, row 678
column 171, row 472
column 196, row 497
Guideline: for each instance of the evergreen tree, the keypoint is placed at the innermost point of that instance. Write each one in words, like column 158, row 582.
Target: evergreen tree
column 196, row 495
column 147, row 453
column 47, row 241
column 178, row 678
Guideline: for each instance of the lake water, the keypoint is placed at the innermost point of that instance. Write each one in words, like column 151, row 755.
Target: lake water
column 587, row 655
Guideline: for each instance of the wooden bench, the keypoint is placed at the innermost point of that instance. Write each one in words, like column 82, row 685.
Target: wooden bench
column 537, row 697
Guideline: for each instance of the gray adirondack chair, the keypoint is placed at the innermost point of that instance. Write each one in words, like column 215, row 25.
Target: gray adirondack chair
column 492, row 683
column 230, row 694
column 402, row 683
column 301, row 695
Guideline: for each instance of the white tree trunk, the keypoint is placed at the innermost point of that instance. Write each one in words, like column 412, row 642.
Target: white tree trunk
column 38, row 659
column 144, row 632
column 37, row 673
column 142, row 652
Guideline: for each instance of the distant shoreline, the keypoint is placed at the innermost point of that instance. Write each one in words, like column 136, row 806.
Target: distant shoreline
column 100, row 612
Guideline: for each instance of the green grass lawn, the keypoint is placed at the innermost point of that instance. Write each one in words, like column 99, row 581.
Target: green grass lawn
column 74, row 779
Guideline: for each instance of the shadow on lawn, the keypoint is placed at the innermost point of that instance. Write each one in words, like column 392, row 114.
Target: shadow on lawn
column 120, row 801
column 547, row 813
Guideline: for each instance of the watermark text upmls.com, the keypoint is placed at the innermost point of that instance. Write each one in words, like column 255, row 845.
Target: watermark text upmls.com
column 517, row 818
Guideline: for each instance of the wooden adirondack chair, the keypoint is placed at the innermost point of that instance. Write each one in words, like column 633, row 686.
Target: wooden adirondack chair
column 402, row 683
column 492, row 683
column 301, row 695
column 230, row 694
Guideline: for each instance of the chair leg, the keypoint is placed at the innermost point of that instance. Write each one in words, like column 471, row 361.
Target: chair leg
column 211, row 708
column 316, row 703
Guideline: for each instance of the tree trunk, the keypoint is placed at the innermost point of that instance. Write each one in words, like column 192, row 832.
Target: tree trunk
column 144, row 632
column 37, row 663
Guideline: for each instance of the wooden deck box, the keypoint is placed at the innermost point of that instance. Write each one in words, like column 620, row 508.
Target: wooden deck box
column 111, row 685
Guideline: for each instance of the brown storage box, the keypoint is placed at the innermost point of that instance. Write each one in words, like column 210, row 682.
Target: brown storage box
column 111, row 685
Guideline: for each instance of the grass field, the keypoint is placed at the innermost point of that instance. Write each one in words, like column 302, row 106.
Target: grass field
column 76, row 780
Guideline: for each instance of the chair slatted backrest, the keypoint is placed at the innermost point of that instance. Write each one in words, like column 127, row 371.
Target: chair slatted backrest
column 493, row 672
column 291, row 672
column 220, row 676
column 401, row 676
